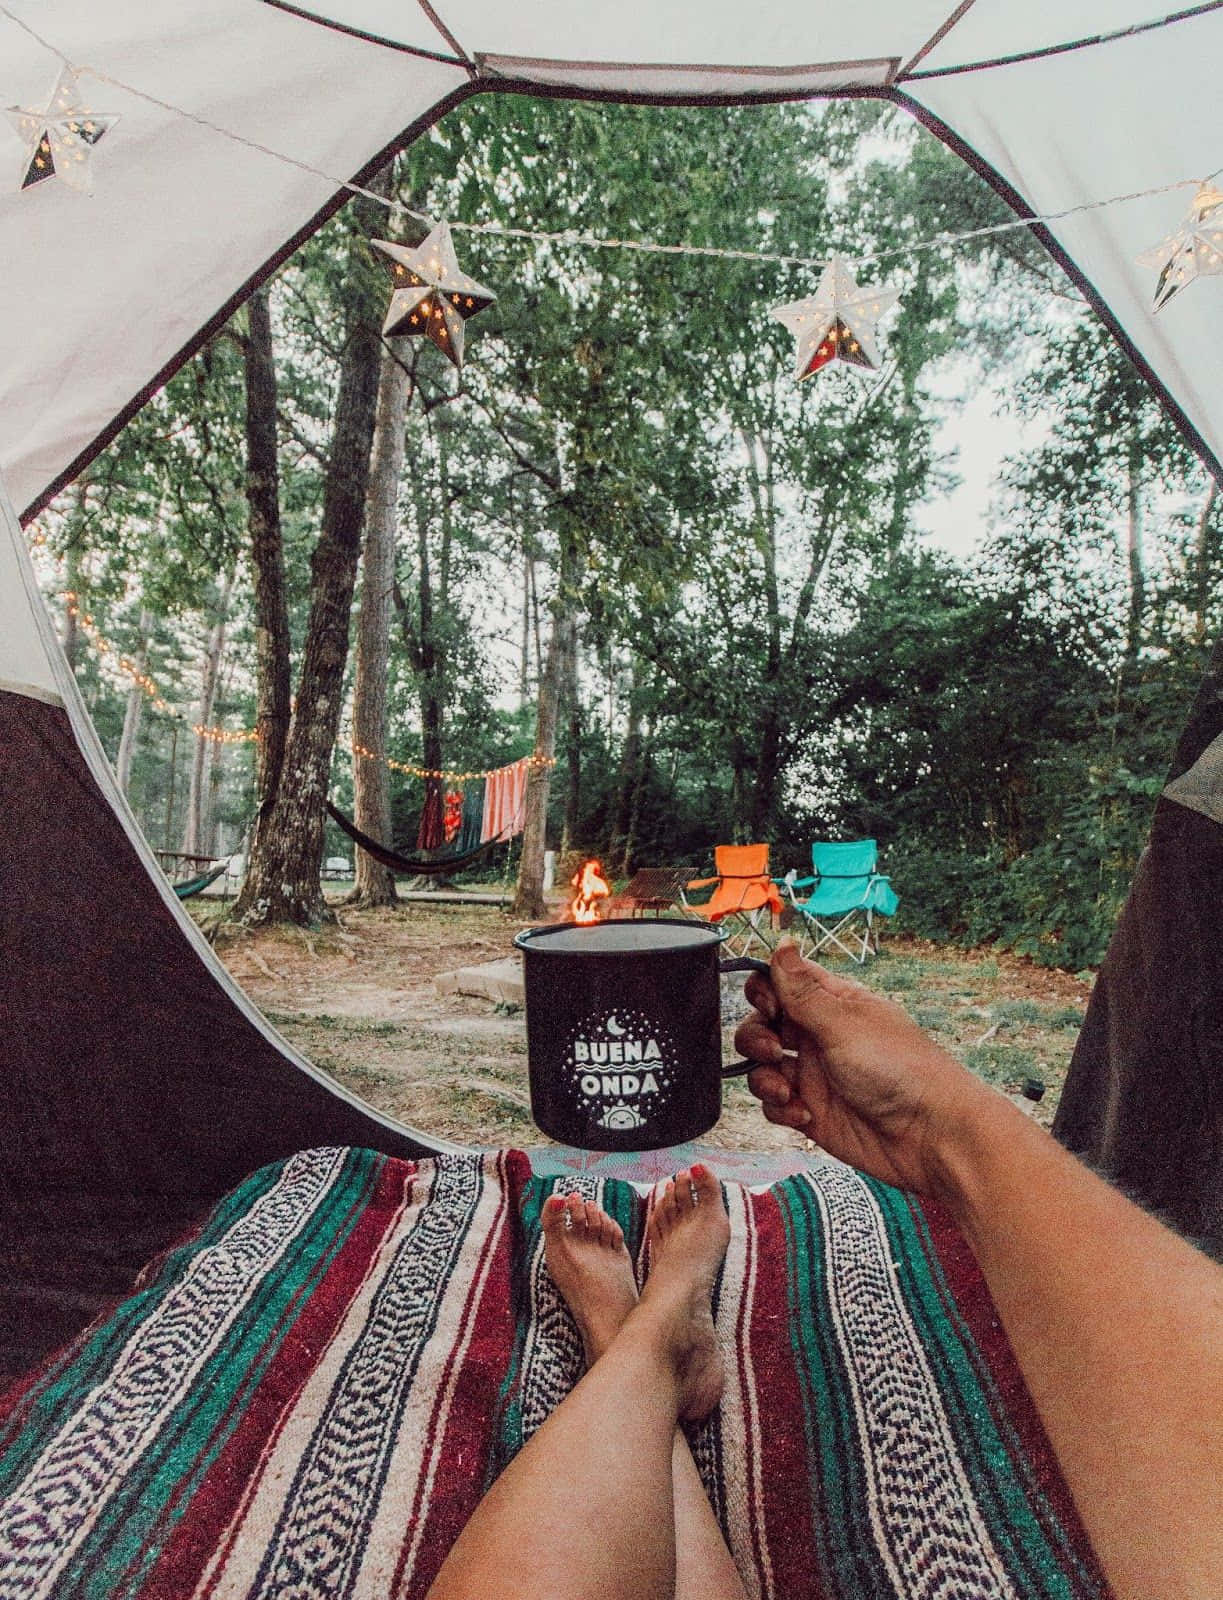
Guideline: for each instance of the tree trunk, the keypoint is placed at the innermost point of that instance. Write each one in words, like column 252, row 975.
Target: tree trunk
column 573, row 744
column 197, row 828
column 283, row 881
column 529, row 903
column 1135, row 554
column 272, row 704
column 627, row 780
column 133, row 710
column 1201, row 565
column 375, row 884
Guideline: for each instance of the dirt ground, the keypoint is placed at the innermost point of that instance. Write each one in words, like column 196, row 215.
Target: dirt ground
column 358, row 998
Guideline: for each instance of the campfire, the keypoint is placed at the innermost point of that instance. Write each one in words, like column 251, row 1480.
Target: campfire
column 589, row 888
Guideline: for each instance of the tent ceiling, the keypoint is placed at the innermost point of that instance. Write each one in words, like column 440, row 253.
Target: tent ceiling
column 103, row 293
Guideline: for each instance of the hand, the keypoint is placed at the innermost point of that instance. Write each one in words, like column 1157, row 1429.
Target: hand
column 854, row 1072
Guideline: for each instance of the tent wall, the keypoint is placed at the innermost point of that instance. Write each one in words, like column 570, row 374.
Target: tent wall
column 1143, row 1101
column 138, row 1083
column 105, row 295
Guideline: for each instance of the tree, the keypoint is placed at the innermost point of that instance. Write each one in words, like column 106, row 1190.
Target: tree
column 283, row 874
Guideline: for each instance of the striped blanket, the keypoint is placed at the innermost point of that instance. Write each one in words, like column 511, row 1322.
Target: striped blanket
column 310, row 1396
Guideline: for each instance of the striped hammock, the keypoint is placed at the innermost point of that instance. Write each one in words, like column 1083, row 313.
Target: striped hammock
column 310, row 1396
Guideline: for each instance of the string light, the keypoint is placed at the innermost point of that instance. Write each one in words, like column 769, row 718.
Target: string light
column 146, row 684
column 576, row 238
column 449, row 774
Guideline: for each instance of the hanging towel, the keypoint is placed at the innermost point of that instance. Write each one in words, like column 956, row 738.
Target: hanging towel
column 505, row 798
column 431, row 835
column 471, row 831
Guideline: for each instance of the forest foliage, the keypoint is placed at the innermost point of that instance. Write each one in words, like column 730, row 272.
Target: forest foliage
column 720, row 575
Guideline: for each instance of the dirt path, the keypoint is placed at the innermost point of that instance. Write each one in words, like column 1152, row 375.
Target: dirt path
column 359, row 1000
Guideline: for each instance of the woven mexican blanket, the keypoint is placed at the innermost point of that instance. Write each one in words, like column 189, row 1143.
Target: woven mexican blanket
column 309, row 1396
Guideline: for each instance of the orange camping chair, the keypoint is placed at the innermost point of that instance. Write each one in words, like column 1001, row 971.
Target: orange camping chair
column 744, row 896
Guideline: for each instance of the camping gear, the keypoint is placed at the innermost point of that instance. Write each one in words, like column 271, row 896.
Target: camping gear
column 624, row 1038
column 414, row 866
column 846, row 894
column 654, row 889
column 744, row 896
column 129, row 1105
column 311, row 1395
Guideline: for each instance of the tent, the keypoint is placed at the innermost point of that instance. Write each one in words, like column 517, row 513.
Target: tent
column 137, row 1082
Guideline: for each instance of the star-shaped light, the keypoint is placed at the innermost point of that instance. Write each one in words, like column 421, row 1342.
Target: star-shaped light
column 59, row 139
column 1195, row 250
column 432, row 295
column 837, row 322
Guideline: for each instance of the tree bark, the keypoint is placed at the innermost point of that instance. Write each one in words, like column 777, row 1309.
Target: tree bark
column 133, row 710
column 1135, row 554
column 1201, row 565
column 529, row 903
column 627, row 780
column 573, row 743
column 283, row 881
column 272, row 670
column 375, row 884
column 197, row 825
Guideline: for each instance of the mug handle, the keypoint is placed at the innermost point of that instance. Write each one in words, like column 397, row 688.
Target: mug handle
column 737, row 1069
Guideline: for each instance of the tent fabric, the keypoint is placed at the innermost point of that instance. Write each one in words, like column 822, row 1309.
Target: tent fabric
column 138, row 1083
column 184, row 219
column 1143, row 1100
column 312, row 1394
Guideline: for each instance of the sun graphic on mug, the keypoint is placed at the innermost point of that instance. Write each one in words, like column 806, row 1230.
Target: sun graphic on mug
column 621, row 1116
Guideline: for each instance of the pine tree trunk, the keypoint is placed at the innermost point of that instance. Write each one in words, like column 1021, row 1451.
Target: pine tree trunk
column 1201, row 565
column 197, row 827
column 133, row 711
column 283, row 882
column 529, row 903
column 272, row 695
column 1135, row 555
column 573, row 746
column 375, row 884
column 618, row 847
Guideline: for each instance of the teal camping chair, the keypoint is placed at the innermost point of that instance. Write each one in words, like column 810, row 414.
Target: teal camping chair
column 846, row 893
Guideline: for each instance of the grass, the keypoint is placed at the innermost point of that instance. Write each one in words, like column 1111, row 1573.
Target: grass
column 976, row 1008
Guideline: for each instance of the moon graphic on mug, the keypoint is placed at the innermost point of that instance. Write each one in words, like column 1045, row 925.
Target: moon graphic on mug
column 613, row 1027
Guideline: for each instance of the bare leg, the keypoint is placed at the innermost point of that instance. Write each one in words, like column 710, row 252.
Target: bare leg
column 591, row 1267
column 586, row 1507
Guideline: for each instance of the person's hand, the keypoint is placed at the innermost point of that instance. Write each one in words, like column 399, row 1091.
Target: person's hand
column 854, row 1072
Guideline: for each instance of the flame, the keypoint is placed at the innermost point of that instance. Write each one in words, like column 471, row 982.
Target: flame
column 589, row 887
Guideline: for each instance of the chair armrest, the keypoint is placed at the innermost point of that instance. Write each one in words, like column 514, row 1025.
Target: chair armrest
column 804, row 883
column 696, row 883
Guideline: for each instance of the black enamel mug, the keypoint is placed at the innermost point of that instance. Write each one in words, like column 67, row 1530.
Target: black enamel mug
column 624, row 1040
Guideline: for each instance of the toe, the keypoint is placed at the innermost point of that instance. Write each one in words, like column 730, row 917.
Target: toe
column 705, row 1186
column 575, row 1215
column 594, row 1222
column 552, row 1216
column 683, row 1190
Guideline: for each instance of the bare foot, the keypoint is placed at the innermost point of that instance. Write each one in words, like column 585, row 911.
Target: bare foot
column 687, row 1237
column 591, row 1267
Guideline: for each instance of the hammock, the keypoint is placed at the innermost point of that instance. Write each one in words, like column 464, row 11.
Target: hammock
column 412, row 866
column 197, row 885
column 313, row 1391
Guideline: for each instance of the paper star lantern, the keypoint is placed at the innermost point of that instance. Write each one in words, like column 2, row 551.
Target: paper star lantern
column 59, row 139
column 837, row 322
column 432, row 295
column 1195, row 250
